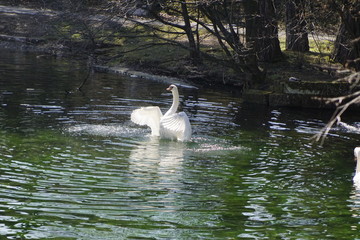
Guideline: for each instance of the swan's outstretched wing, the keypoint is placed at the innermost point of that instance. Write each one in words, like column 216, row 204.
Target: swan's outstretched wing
column 176, row 125
column 149, row 116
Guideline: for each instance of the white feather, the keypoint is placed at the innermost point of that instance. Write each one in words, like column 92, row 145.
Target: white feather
column 172, row 125
column 149, row 116
column 175, row 126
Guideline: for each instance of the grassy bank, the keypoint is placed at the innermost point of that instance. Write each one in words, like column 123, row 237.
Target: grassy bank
column 123, row 43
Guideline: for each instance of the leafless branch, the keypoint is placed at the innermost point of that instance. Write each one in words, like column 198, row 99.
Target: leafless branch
column 343, row 102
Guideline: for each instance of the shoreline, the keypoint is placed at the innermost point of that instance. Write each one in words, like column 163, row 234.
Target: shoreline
column 32, row 39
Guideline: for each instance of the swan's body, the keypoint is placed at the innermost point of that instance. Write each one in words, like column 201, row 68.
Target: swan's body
column 356, row 178
column 172, row 125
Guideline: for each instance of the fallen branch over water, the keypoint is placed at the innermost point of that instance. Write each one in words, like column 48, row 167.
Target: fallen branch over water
column 343, row 103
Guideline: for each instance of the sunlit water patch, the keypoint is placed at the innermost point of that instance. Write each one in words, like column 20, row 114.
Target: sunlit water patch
column 351, row 128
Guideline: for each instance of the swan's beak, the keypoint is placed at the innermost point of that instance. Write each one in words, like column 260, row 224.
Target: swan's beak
column 169, row 88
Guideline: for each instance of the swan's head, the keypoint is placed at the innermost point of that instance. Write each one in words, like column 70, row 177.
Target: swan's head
column 172, row 88
column 357, row 153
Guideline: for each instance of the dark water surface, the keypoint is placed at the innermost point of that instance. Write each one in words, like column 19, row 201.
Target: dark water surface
column 73, row 166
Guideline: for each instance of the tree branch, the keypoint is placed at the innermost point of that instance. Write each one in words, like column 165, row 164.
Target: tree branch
column 353, row 98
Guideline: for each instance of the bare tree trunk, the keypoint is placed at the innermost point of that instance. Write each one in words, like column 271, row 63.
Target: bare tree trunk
column 296, row 34
column 347, row 44
column 342, row 48
column 262, row 29
column 270, row 44
column 193, row 47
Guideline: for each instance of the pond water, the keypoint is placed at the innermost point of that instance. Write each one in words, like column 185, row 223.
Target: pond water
column 73, row 166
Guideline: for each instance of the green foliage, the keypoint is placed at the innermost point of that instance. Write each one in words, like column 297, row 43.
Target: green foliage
column 322, row 46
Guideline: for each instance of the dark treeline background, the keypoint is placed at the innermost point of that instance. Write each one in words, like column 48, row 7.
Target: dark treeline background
column 246, row 31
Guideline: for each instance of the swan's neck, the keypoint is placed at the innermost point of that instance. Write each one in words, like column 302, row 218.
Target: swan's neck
column 358, row 163
column 175, row 103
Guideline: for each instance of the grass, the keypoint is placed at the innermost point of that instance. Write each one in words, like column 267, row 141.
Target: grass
column 136, row 46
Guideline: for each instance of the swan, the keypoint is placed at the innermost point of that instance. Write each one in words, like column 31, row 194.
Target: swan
column 356, row 178
column 171, row 125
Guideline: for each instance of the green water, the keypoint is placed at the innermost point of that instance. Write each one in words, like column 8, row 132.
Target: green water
column 73, row 166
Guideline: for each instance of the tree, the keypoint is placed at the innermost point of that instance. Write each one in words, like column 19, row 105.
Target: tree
column 296, row 32
column 349, row 12
column 262, row 29
column 224, row 26
column 181, row 10
column 221, row 20
column 347, row 44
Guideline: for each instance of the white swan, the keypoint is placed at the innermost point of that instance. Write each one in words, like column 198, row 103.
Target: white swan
column 356, row 178
column 172, row 125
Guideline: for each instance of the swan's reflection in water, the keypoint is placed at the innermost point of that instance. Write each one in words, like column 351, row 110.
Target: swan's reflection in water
column 355, row 206
column 156, row 168
column 158, row 163
column 154, row 153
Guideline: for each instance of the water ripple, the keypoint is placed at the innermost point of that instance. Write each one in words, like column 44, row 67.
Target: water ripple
column 74, row 166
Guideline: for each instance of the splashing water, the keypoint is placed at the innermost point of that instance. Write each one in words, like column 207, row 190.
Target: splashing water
column 106, row 130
